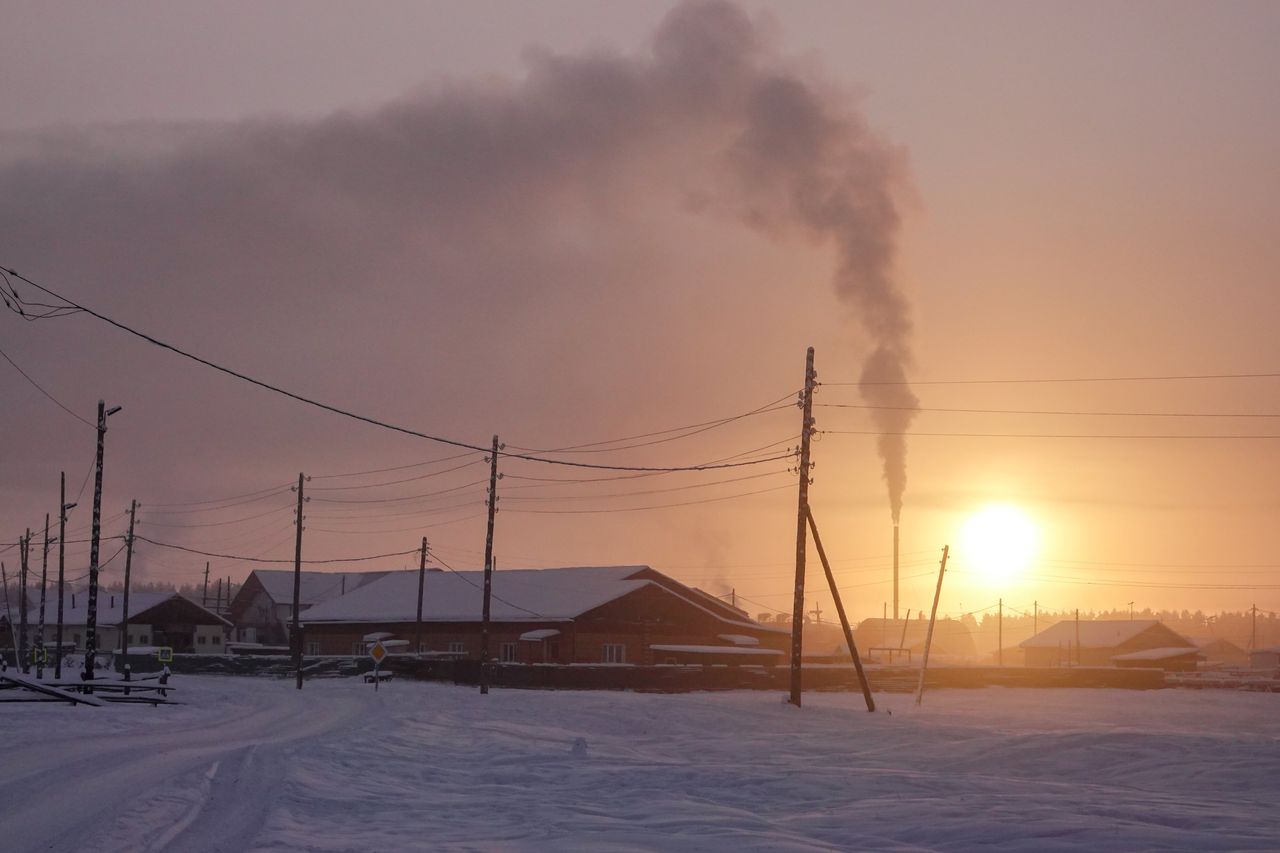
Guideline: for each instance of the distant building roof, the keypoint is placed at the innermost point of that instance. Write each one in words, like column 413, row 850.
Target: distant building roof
column 1159, row 654
column 1093, row 634
column 110, row 608
column 518, row 595
column 314, row 587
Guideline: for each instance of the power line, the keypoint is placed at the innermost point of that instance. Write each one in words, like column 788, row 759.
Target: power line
column 1188, row 436
column 261, row 560
column 652, row 506
column 1030, row 381
column 1109, row 414
column 392, row 468
column 374, row 421
column 641, row 492
column 40, row 388
column 397, row 482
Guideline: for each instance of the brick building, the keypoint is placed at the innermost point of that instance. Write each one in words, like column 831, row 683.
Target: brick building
column 612, row 614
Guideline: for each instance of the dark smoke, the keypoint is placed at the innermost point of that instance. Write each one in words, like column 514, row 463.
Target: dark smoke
column 462, row 187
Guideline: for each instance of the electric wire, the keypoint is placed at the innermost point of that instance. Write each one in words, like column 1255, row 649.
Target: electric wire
column 648, row 507
column 370, row 420
column 1092, row 414
column 41, row 389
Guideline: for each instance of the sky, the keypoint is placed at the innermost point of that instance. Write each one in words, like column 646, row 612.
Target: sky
column 567, row 223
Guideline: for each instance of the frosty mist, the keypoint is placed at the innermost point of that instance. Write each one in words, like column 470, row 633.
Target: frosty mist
column 371, row 202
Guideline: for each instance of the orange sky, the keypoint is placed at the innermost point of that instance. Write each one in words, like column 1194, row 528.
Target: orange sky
column 1094, row 193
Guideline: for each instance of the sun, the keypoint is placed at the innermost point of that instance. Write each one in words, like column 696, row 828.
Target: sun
column 999, row 542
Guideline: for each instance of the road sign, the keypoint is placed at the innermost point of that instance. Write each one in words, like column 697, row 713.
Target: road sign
column 164, row 654
column 378, row 652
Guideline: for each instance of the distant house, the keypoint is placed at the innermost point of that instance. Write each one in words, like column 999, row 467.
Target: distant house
column 610, row 614
column 951, row 638
column 1100, row 642
column 155, row 619
column 261, row 610
column 1217, row 651
column 1265, row 659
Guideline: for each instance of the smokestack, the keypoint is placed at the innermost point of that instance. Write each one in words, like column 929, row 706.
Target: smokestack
column 895, row 573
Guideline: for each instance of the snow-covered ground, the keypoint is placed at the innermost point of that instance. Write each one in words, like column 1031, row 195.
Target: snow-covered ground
column 252, row 764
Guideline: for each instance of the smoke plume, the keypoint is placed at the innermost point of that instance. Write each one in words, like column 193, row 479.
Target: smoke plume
column 351, row 240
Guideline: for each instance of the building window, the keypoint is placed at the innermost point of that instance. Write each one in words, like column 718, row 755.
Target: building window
column 423, row 647
column 457, row 647
column 613, row 653
column 313, row 647
column 142, row 639
column 130, row 639
column 76, row 638
column 507, row 653
column 357, row 649
column 201, row 640
column 553, row 651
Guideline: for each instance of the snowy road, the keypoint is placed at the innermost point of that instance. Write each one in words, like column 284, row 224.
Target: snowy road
column 255, row 765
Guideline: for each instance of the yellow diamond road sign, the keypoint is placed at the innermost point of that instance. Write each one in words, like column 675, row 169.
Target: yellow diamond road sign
column 377, row 651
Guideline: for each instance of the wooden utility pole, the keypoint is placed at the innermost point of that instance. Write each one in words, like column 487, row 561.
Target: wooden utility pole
column 422, row 580
column 217, row 607
column 91, row 611
column 296, row 630
column 1077, row 636
column 933, row 617
column 1035, row 618
column 204, row 596
column 44, row 583
column 62, row 554
column 802, row 515
column 902, row 643
column 1253, row 630
column 128, row 569
column 24, row 658
column 8, row 615
column 844, row 620
column 1000, row 633
column 488, row 567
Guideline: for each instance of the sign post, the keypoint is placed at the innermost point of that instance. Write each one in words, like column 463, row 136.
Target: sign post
column 377, row 651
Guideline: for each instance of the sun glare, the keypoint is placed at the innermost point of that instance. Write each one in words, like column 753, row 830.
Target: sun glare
column 999, row 542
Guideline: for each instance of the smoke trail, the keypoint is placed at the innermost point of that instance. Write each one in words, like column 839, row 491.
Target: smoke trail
column 463, row 186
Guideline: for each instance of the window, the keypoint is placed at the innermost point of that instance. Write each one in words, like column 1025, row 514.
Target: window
column 507, row 653
column 553, row 651
column 201, row 640
column 457, row 647
column 357, row 649
column 131, row 638
column 76, row 638
column 313, row 647
column 142, row 639
column 423, row 647
column 613, row 653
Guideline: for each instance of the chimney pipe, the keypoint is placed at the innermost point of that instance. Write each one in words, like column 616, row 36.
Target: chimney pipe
column 895, row 572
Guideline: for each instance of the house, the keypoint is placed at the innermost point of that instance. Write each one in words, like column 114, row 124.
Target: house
column 155, row 619
column 1171, row 659
column 1099, row 642
column 609, row 614
column 263, row 607
column 880, row 639
column 1265, row 659
column 1219, row 652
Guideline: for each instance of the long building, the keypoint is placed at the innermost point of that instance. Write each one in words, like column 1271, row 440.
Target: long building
column 1100, row 642
column 263, row 607
column 611, row 614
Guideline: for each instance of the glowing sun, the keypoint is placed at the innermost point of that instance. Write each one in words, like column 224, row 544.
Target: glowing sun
column 999, row 542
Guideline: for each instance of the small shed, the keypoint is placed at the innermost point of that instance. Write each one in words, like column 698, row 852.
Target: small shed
column 1219, row 651
column 1265, row 659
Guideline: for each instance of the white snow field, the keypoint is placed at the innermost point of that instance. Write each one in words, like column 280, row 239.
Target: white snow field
column 253, row 764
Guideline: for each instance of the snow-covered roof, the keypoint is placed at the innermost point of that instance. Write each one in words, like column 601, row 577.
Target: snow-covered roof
column 739, row 639
column 110, row 609
column 713, row 650
column 518, row 595
column 1158, row 654
column 1094, row 634
column 540, row 634
column 314, row 587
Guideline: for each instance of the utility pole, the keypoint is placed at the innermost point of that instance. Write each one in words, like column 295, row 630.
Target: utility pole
column 1035, row 618
column 44, row 582
column 297, row 589
column 217, row 608
column 933, row 617
column 805, row 402
column 488, row 567
column 8, row 614
column 128, row 567
column 422, row 580
column 1000, row 634
column 1130, row 611
column 1253, row 630
column 204, row 596
column 62, row 553
column 24, row 659
column 844, row 620
column 1077, row 636
column 91, row 612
